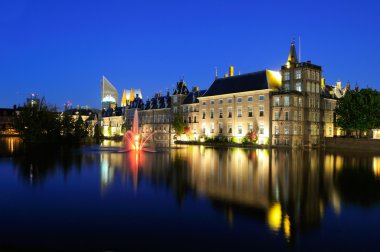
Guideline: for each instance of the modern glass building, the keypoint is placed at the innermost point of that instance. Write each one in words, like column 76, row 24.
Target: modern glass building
column 110, row 96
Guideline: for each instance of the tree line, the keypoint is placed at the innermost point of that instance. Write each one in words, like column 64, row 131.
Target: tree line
column 358, row 111
column 42, row 123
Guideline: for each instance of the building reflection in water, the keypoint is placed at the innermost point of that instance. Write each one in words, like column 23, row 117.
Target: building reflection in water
column 289, row 190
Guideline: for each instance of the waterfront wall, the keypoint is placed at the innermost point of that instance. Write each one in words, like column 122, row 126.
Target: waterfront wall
column 360, row 144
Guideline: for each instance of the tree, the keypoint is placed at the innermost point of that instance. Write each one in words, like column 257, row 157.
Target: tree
column 80, row 130
column 358, row 110
column 178, row 123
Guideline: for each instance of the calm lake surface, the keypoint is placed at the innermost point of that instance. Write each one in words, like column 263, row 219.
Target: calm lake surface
column 187, row 199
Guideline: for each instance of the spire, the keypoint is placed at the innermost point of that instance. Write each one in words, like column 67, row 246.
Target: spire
column 292, row 58
column 124, row 99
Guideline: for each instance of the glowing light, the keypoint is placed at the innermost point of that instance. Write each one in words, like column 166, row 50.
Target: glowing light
column 287, row 226
column 274, row 217
column 376, row 166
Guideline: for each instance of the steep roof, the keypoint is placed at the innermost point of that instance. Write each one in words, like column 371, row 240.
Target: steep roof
column 181, row 88
column 192, row 97
column 260, row 80
column 292, row 57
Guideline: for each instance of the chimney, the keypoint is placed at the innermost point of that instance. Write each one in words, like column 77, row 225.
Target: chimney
column 231, row 71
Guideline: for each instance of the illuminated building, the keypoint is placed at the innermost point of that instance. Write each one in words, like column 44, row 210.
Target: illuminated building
column 110, row 96
column 236, row 105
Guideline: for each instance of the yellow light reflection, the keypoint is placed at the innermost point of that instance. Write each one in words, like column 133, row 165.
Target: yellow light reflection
column 274, row 217
column 376, row 166
column 287, row 225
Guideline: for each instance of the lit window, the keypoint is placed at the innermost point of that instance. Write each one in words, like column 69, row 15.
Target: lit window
column 286, row 130
column 298, row 74
column 276, row 115
column 229, row 126
column 286, row 101
column 286, row 116
column 240, row 128
column 250, row 111
column 250, row 127
column 286, row 76
column 261, row 129
column 276, row 130
column 286, row 87
column 277, row 101
column 239, row 112
column 261, row 110
column 298, row 87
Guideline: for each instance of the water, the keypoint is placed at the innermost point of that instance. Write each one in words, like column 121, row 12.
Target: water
column 187, row 199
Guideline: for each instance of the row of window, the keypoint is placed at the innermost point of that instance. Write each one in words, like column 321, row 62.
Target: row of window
column 313, row 75
column 229, row 100
column 285, row 101
column 297, row 115
column 239, row 128
column 286, row 130
column 229, row 112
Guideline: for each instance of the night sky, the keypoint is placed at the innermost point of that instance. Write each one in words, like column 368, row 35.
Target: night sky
column 61, row 49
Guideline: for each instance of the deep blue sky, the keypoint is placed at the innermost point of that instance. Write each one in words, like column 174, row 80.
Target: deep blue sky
column 61, row 49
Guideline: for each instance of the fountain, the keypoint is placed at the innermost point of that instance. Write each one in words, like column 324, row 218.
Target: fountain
column 135, row 140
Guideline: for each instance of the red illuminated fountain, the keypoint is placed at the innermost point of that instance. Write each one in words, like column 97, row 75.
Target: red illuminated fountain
column 134, row 141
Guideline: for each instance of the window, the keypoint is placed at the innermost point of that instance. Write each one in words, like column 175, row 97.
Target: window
column 204, row 128
column 317, row 77
column 229, row 126
column 276, row 130
column 286, row 76
column 204, row 103
column 250, row 127
column 220, row 101
column 250, row 111
column 261, row 97
column 195, row 119
column 240, row 129
column 239, row 112
column 212, row 113
column 286, row 87
column 312, row 75
column 212, row 102
column 277, row 101
column 286, row 130
column 175, row 110
column 261, row 110
column 220, row 113
column 229, row 100
column 184, row 109
column 300, row 102
column 261, row 128
column 189, row 119
column 298, row 74
column 203, row 114
column 212, row 128
column 175, row 99
column 276, row 115
column 286, row 115
column 239, row 99
column 308, row 87
column 298, row 87
column 229, row 112
column 250, row 98
column 295, row 115
column 220, row 128
column 294, row 130
column 286, row 101
column 196, row 109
